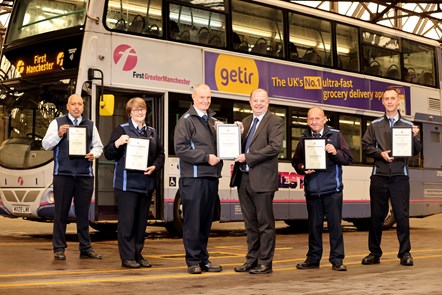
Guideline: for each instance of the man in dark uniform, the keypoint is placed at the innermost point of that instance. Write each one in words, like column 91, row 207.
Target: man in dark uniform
column 200, row 168
column 323, row 191
column 389, row 179
column 73, row 177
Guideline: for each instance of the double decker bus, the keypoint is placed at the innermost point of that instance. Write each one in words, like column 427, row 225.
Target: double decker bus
column 112, row 50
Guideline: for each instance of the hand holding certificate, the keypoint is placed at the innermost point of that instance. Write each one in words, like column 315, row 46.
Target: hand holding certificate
column 228, row 138
column 77, row 141
column 315, row 154
column 401, row 141
column 137, row 152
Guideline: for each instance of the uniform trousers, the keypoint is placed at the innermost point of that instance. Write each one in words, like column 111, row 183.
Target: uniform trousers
column 80, row 189
column 199, row 196
column 133, row 211
column 330, row 207
column 396, row 189
column 259, row 222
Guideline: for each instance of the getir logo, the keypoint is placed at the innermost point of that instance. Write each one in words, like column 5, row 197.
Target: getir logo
column 125, row 57
column 236, row 74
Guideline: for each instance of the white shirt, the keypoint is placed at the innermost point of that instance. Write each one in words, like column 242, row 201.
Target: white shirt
column 52, row 139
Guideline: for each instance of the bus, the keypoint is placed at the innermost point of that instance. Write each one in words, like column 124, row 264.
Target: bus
column 112, row 50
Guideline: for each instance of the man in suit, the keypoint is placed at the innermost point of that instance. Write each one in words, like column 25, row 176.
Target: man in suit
column 200, row 169
column 257, row 167
column 323, row 190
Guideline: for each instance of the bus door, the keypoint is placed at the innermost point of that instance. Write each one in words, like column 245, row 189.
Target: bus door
column 105, row 202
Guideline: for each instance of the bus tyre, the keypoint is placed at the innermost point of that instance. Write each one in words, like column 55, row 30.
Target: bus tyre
column 363, row 224
column 299, row 226
column 175, row 227
column 105, row 228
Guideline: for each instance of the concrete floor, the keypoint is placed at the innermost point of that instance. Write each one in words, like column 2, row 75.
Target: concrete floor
column 27, row 266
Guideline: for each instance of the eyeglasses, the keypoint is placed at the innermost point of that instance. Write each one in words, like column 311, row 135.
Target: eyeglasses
column 138, row 110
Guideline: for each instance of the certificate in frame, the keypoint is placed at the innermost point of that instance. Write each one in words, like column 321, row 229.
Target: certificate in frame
column 137, row 154
column 77, row 143
column 315, row 154
column 228, row 141
column 401, row 141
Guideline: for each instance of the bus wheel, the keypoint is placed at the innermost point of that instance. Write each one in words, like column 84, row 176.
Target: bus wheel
column 106, row 228
column 364, row 223
column 175, row 227
column 300, row 226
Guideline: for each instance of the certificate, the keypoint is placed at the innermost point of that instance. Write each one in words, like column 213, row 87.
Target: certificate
column 228, row 138
column 315, row 154
column 401, row 141
column 137, row 153
column 77, row 141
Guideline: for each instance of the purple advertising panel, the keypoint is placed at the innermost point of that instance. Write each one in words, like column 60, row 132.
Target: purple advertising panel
column 240, row 75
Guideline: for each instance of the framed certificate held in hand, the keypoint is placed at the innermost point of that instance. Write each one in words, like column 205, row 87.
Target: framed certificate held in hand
column 77, row 141
column 401, row 141
column 137, row 154
column 315, row 154
column 228, row 139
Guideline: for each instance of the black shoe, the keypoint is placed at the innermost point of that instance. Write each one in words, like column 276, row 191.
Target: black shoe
column 339, row 267
column 371, row 259
column 307, row 265
column 245, row 267
column 407, row 260
column 130, row 264
column 59, row 255
column 144, row 263
column 90, row 255
column 194, row 269
column 209, row 267
column 261, row 269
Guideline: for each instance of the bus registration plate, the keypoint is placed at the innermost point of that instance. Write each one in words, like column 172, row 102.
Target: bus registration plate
column 21, row 209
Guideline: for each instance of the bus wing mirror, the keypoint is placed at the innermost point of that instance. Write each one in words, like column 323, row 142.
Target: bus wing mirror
column 107, row 105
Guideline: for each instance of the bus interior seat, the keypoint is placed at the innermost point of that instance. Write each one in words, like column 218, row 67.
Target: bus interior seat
column 312, row 56
column 203, row 35
column 426, row 78
column 137, row 25
column 260, row 46
column 120, row 25
column 153, row 30
column 393, row 72
column 294, row 55
column 184, row 35
column 410, row 75
column 215, row 40
column 244, row 46
column 374, row 68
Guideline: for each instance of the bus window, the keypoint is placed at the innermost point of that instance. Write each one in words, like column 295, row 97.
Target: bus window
column 381, row 56
column 34, row 17
column 139, row 17
column 351, row 128
column 312, row 38
column 419, row 64
column 205, row 27
column 298, row 122
column 347, row 48
column 259, row 27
